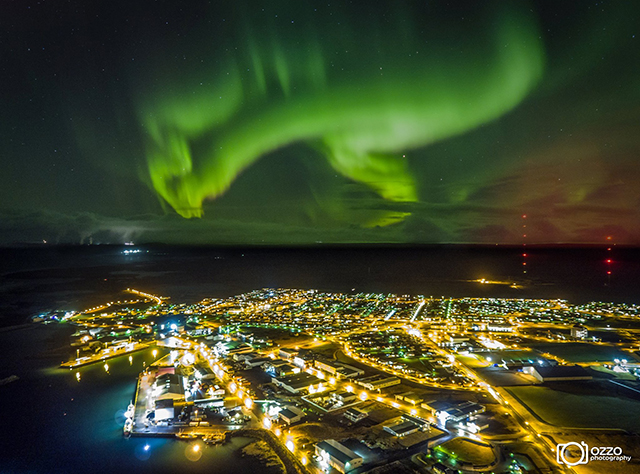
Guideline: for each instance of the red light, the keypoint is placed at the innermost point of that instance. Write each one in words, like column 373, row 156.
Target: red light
column 524, row 235
column 524, row 263
column 609, row 249
column 524, row 254
column 609, row 237
column 524, row 216
column 608, row 260
column 608, row 273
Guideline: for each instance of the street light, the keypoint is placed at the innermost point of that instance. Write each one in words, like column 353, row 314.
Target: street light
column 290, row 446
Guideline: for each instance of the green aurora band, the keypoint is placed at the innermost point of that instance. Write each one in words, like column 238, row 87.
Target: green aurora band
column 389, row 90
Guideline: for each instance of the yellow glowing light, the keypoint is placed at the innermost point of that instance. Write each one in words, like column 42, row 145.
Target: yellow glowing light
column 154, row 352
column 290, row 446
column 266, row 423
column 106, row 367
column 304, row 460
column 380, row 399
column 248, row 403
column 196, row 448
column 233, row 387
column 363, row 396
column 349, row 388
column 332, row 380
column 78, row 376
column 277, row 432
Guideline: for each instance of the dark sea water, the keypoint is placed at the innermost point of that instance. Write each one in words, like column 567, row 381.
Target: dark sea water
column 54, row 424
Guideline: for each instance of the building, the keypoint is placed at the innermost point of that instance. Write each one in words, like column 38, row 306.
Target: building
column 434, row 406
column 338, row 456
column 558, row 373
column 410, row 397
column 256, row 362
column 344, row 397
column 423, row 424
column 168, row 386
column 402, row 429
column 326, row 366
column 460, row 412
column 280, row 368
column 349, row 371
column 439, row 468
column 454, row 411
column 164, row 410
column 579, row 331
column 244, row 356
column 298, row 383
column 337, row 369
column 355, row 415
column 499, row 328
column 287, row 353
column 290, row 415
column 239, row 349
column 377, row 382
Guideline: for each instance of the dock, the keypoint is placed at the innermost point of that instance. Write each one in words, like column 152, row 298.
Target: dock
column 105, row 354
column 140, row 430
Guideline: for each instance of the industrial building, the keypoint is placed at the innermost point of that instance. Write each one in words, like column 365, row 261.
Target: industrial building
column 297, row 383
column 402, row 429
column 355, row 415
column 377, row 382
column 579, row 331
column 558, row 373
column 290, row 415
column 456, row 411
column 337, row 369
column 338, row 456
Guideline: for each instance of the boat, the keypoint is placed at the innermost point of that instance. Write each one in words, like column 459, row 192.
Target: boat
column 130, row 411
column 183, row 435
column 214, row 438
column 128, row 427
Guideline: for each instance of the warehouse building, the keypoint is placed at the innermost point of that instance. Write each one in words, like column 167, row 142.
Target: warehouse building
column 338, row 456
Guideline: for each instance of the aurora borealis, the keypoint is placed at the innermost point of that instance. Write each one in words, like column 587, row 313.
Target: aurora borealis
column 287, row 122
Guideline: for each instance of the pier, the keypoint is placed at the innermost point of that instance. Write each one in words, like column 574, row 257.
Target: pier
column 105, row 354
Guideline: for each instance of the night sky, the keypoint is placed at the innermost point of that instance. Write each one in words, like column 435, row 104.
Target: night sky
column 296, row 122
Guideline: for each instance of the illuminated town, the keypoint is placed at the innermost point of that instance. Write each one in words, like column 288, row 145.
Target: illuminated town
column 333, row 382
